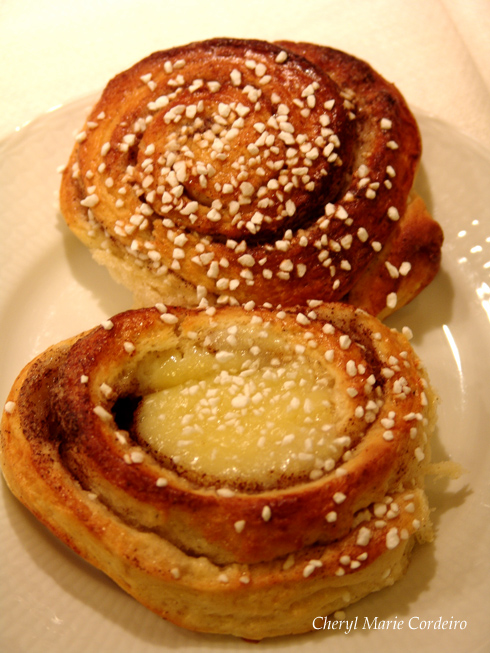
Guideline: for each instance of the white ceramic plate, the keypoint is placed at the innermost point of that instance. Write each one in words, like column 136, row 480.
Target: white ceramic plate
column 51, row 601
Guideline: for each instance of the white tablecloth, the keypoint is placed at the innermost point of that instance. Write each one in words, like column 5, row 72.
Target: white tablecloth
column 436, row 51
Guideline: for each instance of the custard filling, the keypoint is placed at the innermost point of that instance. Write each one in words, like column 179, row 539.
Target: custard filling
column 235, row 419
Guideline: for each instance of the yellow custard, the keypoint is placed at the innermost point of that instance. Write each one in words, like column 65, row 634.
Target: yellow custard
column 238, row 419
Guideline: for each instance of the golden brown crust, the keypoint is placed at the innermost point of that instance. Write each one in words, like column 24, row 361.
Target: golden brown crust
column 407, row 264
column 230, row 171
column 323, row 542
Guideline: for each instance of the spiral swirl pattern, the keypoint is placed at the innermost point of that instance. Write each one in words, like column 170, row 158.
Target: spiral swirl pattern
column 230, row 171
column 344, row 512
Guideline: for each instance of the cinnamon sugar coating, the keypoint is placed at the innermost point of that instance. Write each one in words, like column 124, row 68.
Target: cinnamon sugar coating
column 208, row 555
column 229, row 171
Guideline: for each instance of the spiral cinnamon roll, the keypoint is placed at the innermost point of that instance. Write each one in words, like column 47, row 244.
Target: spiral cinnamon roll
column 236, row 471
column 231, row 171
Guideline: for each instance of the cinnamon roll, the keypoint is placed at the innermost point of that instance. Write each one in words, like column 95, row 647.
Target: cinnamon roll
column 232, row 171
column 235, row 471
